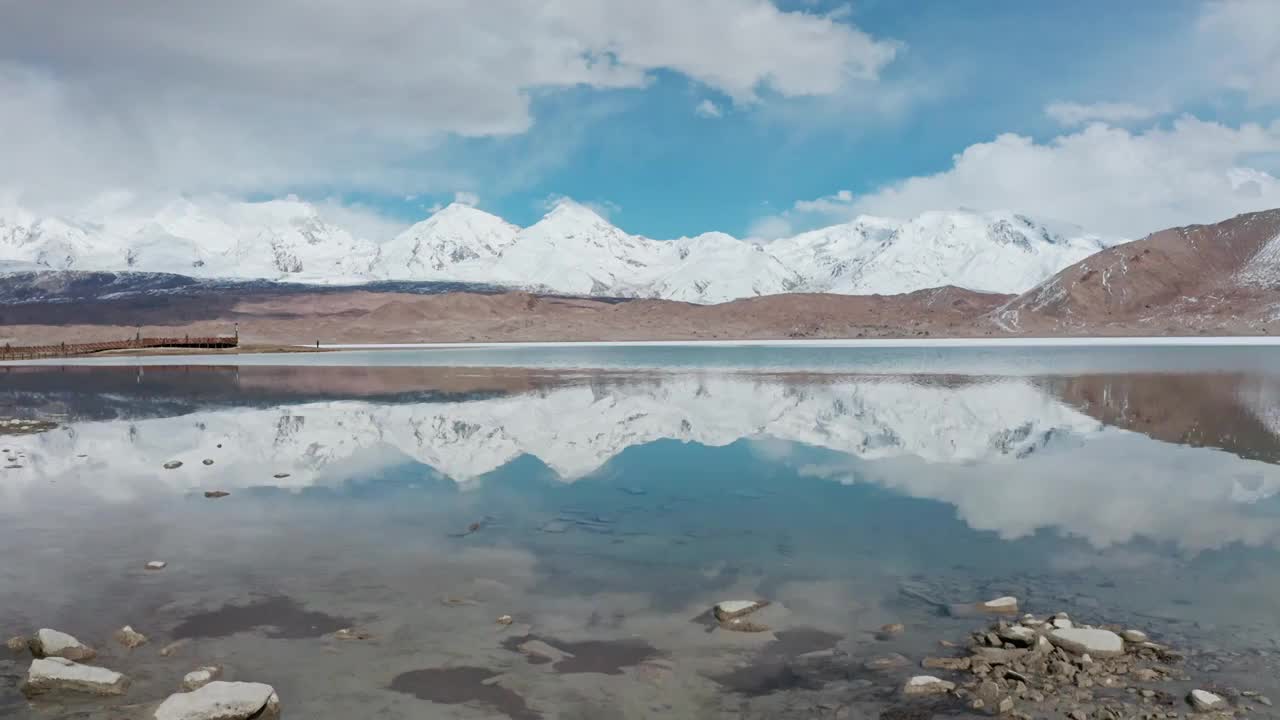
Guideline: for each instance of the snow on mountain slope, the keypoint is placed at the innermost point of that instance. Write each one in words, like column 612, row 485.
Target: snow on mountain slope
column 574, row 250
column 456, row 243
column 715, row 265
column 571, row 250
column 992, row 252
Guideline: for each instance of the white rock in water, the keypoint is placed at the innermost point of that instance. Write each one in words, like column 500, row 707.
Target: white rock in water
column 222, row 701
column 200, row 677
column 157, row 565
column 1062, row 623
column 1018, row 635
column 927, row 685
column 1134, row 636
column 729, row 609
column 1006, row 604
column 1205, row 701
column 1090, row 641
column 130, row 638
column 51, row 643
column 57, row 674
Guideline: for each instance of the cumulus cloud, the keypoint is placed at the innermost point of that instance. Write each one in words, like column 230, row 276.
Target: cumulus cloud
column 770, row 227
column 1241, row 47
column 707, row 109
column 836, row 204
column 1109, row 180
column 1071, row 113
column 243, row 96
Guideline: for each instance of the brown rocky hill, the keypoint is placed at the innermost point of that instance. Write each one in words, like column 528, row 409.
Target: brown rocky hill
column 1223, row 277
column 368, row 317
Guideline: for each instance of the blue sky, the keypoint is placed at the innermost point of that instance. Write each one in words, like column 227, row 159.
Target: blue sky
column 671, row 117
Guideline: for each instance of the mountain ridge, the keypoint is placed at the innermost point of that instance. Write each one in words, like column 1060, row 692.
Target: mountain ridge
column 570, row 250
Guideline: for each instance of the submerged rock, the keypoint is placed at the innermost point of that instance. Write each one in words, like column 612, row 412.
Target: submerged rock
column 741, row 624
column 543, row 650
column 1090, row 641
column 927, row 685
column 207, row 461
column 56, row 674
column 174, row 647
column 891, row 630
column 351, row 634
column 52, row 643
column 887, row 662
column 173, row 465
column 17, row 643
column 200, row 677
column 1205, row 701
column 130, row 638
column 215, row 494
column 730, row 609
column 222, row 701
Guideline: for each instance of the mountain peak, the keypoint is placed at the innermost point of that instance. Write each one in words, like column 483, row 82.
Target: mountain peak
column 572, row 249
column 570, row 212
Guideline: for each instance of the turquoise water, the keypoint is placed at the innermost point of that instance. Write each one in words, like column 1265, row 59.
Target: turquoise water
column 606, row 510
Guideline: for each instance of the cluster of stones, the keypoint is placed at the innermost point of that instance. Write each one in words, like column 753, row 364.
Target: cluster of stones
column 60, row 665
column 1040, row 666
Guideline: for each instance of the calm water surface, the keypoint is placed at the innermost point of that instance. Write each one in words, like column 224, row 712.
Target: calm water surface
column 614, row 506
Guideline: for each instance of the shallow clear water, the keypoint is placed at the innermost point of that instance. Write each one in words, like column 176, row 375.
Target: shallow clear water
column 607, row 510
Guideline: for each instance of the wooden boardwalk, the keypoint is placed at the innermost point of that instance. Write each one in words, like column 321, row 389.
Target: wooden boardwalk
column 35, row 352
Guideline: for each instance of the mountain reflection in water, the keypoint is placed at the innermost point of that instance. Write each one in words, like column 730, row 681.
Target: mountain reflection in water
column 605, row 507
column 1063, row 444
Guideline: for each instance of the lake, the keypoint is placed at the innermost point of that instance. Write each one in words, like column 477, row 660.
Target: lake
column 603, row 501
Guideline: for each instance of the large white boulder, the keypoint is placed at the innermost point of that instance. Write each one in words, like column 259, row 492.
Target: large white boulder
column 1088, row 641
column 730, row 609
column 52, row 643
column 55, row 674
column 222, row 701
column 1205, row 701
column 927, row 685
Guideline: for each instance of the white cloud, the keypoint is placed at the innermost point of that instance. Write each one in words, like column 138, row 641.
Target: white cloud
column 770, row 227
column 242, row 95
column 1107, row 179
column 1240, row 46
column 1071, row 113
column 462, row 197
column 707, row 109
column 837, row 204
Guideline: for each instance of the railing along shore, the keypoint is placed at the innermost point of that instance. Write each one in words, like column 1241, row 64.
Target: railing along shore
column 35, row 352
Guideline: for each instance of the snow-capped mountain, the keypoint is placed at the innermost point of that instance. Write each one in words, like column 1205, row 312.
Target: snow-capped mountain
column 572, row 250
